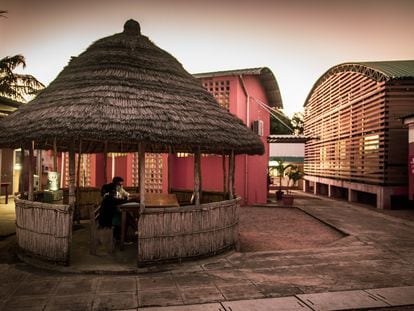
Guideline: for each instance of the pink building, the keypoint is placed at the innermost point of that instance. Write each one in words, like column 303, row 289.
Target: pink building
column 247, row 93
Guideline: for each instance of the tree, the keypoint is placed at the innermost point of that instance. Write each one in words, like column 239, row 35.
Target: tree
column 297, row 123
column 13, row 85
column 280, row 124
column 280, row 168
column 294, row 174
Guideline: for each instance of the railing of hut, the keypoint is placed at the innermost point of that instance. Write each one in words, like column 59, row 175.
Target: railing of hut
column 166, row 234
column 44, row 230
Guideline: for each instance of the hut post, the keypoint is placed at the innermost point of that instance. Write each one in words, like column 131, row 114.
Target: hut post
column 77, row 211
column 231, row 175
column 72, row 175
column 141, row 168
column 39, row 169
column 197, row 177
column 169, row 176
column 224, row 176
column 105, row 164
column 55, row 164
column 1, row 159
column 22, row 171
column 30, row 197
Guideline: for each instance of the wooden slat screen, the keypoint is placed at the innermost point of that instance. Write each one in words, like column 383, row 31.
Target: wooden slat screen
column 356, row 120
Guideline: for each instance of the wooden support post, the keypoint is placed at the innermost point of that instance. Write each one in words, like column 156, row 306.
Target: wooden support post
column 30, row 197
column 141, row 168
column 224, row 176
column 197, row 177
column 231, row 175
column 72, row 176
column 39, row 169
column 1, row 156
column 169, row 168
column 55, row 164
column 77, row 208
column 22, row 171
column 105, row 164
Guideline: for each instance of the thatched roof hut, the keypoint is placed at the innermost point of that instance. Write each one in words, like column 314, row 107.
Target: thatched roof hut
column 125, row 90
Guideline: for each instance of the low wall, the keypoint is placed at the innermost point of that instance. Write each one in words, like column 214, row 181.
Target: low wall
column 88, row 196
column 44, row 230
column 166, row 234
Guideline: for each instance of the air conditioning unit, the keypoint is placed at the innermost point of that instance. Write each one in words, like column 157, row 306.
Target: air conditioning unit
column 257, row 127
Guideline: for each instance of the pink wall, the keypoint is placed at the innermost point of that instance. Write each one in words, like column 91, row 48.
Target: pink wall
column 251, row 171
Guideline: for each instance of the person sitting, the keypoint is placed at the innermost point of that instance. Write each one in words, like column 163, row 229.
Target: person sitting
column 110, row 215
column 119, row 183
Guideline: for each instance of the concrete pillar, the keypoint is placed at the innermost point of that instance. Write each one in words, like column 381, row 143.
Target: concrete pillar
column 384, row 198
column 352, row 195
column 315, row 188
column 329, row 191
column 306, row 186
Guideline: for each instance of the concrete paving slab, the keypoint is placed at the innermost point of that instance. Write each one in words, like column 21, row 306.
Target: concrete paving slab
column 269, row 304
column 201, row 295
column 25, row 303
column 341, row 300
column 159, row 297
column 36, row 288
column 194, row 280
column 76, row 286
column 154, row 282
column 240, row 292
column 201, row 307
column 115, row 301
column 396, row 296
column 73, row 303
column 117, row 284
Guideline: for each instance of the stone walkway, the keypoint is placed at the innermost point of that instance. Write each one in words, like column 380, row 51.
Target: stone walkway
column 371, row 267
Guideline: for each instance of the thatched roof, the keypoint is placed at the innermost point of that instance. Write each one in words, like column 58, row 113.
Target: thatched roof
column 7, row 106
column 126, row 90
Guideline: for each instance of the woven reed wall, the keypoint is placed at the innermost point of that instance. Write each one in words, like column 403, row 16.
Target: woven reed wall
column 184, row 196
column 184, row 232
column 44, row 229
column 88, row 197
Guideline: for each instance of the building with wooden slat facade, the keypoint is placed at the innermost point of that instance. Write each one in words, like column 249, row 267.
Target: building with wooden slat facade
column 408, row 121
column 360, row 151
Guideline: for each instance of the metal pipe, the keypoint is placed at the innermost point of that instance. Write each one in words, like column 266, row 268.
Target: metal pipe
column 246, row 170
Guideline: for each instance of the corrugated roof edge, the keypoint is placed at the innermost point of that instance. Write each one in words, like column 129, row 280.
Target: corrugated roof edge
column 378, row 71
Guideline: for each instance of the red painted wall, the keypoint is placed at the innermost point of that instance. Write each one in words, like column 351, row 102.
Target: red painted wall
column 251, row 171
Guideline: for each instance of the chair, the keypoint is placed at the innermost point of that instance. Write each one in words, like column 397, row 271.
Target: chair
column 99, row 236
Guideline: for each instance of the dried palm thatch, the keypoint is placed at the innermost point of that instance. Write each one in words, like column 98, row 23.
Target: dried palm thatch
column 124, row 90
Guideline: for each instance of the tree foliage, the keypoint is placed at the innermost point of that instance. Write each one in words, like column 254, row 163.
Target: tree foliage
column 13, row 85
column 297, row 123
column 283, row 125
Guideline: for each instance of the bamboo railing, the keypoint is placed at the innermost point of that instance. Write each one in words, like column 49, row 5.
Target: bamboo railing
column 44, row 230
column 166, row 234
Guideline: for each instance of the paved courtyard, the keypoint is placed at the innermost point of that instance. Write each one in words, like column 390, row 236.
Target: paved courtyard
column 372, row 266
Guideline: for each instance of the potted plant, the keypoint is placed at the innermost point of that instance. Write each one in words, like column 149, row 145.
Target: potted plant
column 281, row 168
column 294, row 174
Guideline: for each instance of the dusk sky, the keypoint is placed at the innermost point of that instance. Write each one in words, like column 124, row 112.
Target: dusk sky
column 297, row 39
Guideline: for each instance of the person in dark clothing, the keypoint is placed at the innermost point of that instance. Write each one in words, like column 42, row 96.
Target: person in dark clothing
column 110, row 215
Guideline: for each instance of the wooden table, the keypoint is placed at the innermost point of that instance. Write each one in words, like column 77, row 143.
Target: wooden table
column 152, row 200
column 6, row 185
